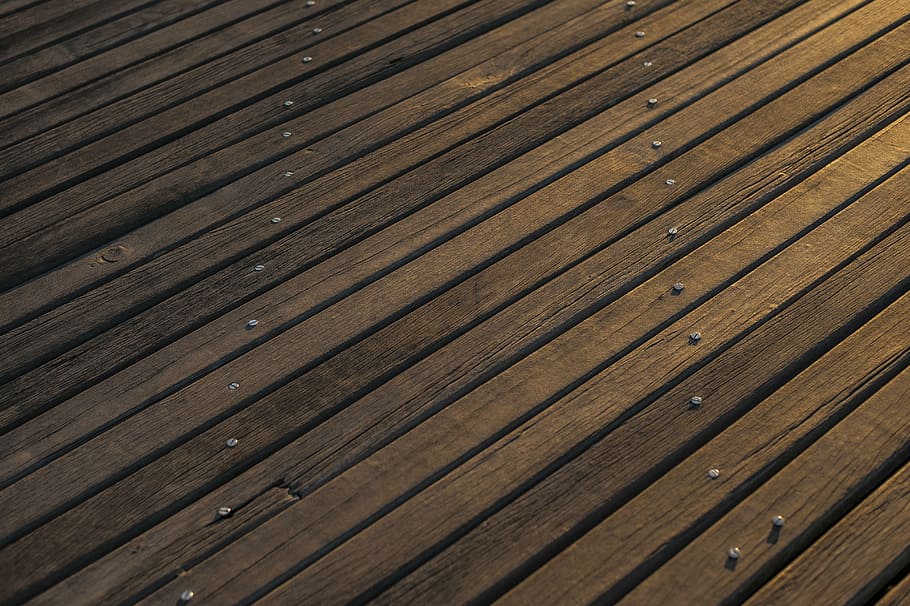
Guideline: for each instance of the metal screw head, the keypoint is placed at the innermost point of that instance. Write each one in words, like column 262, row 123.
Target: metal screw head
column 224, row 512
column 778, row 521
column 288, row 173
column 252, row 323
column 639, row 34
column 286, row 134
column 652, row 101
column 647, row 64
column 672, row 231
column 733, row 553
column 695, row 401
column 714, row 473
column 317, row 30
column 678, row 287
column 187, row 595
column 259, row 267
column 234, row 386
column 288, row 103
column 655, row 144
column 231, row 442
column 630, row 3
column 311, row 2
column 276, row 219
column 695, row 336
column 671, row 181
column 307, row 59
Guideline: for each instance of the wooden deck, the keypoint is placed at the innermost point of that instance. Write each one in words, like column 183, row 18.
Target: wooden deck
column 455, row 301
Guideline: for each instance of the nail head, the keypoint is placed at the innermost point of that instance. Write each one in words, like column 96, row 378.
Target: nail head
column 652, row 101
column 307, row 59
column 695, row 400
column 276, row 219
column 252, row 323
column 647, row 63
column 234, row 386
column 186, row 596
column 733, row 553
column 231, row 442
column 317, row 30
column 655, row 144
column 639, row 34
column 288, row 103
column 678, row 287
column 224, row 512
column 671, row 181
column 259, row 267
column 714, row 473
column 286, row 133
column 695, row 336
column 778, row 521
column 672, row 231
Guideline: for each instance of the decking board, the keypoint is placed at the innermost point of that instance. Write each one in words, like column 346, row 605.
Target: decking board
column 467, row 356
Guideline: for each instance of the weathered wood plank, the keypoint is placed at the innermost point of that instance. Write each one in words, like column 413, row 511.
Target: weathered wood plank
column 311, row 156
column 150, row 52
column 854, row 560
column 318, row 234
column 684, row 123
column 811, row 492
column 205, row 462
column 503, row 469
column 33, row 29
column 109, row 35
column 897, row 595
column 92, row 409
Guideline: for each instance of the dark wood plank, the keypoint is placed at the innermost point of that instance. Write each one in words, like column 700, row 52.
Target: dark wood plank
column 24, row 14
column 811, row 492
column 91, row 409
column 331, row 233
column 188, row 466
column 29, row 37
column 311, row 157
column 158, row 28
column 503, row 469
column 854, row 560
column 608, row 558
column 682, row 124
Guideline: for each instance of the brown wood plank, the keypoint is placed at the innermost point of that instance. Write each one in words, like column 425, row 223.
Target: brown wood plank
column 25, row 14
column 29, row 37
column 811, row 492
column 151, row 50
column 92, row 409
column 310, row 249
column 855, row 559
column 366, row 300
column 372, row 211
column 899, row 595
column 741, row 240
column 607, row 559
column 159, row 196
column 193, row 468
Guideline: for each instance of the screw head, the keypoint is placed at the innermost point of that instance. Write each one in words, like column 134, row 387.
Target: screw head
column 307, row 59
column 714, row 473
column 733, row 553
column 288, row 103
column 630, row 3
column 288, row 173
column 259, row 267
column 695, row 336
column 656, row 143
column 778, row 521
column 224, row 512
column 311, row 2
column 252, row 323
column 672, row 231
column 647, row 63
column 317, row 30
column 652, row 101
column 276, row 219
column 678, row 287
column 695, row 401
column 639, row 34
column 234, row 386
column 671, row 181
column 286, row 134
column 231, row 442
column 187, row 595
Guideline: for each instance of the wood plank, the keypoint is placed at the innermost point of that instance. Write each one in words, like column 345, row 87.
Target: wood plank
column 607, row 559
column 30, row 36
column 372, row 210
column 204, row 462
column 811, row 492
column 318, row 247
column 116, row 45
column 311, row 156
column 855, row 559
column 505, row 468
column 19, row 452
column 85, row 413
column 897, row 595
